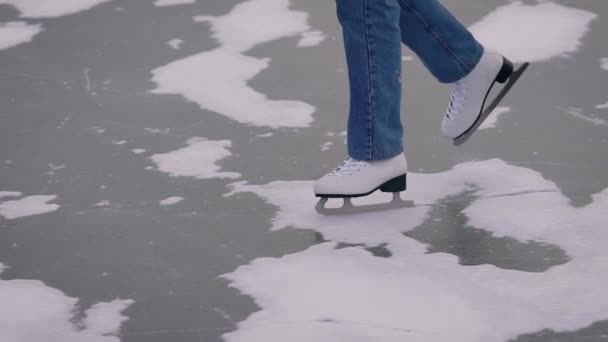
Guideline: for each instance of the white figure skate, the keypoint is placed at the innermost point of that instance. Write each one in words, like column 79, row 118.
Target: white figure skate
column 357, row 178
column 466, row 110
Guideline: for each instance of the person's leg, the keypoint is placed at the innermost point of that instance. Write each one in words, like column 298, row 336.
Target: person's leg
column 444, row 45
column 453, row 55
column 372, row 42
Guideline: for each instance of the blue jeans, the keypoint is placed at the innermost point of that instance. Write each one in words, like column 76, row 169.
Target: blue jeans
column 373, row 31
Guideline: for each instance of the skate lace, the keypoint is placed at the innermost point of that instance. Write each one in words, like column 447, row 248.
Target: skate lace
column 348, row 167
column 459, row 95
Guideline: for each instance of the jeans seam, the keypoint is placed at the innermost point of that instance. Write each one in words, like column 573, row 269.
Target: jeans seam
column 461, row 64
column 370, row 131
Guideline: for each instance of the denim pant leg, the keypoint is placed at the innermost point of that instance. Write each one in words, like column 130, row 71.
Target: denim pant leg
column 372, row 42
column 444, row 45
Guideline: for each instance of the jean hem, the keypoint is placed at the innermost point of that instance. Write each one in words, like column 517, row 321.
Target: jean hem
column 466, row 72
column 375, row 155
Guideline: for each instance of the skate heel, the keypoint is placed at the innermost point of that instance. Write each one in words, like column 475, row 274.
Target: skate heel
column 396, row 184
column 506, row 71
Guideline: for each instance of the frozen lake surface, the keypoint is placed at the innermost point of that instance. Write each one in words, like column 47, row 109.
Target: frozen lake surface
column 156, row 169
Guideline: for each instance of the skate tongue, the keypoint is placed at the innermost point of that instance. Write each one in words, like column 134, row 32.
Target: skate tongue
column 457, row 99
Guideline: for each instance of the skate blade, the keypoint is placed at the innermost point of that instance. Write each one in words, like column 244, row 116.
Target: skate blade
column 488, row 110
column 348, row 208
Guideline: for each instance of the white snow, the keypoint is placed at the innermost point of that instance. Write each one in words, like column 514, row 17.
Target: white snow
column 265, row 135
column 197, row 160
column 171, row 200
column 217, row 80
column 604, row 63
column 103, row 203
column 48, row 9
column 602, row 106
column 323, row 294
column 160, row 3
column 28, row 206
column 533, row 32
column 577, row 113
column 33, row 311
column 10, row 194
column 119, row 142
column 492, row 119
column 139, row 150
column 311, row 38
column 158, row 130
column 326, row 145
column 175, row 44
column 16, row 32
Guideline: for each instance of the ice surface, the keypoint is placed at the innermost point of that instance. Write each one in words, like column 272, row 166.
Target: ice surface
column 196, row 160
column 32, row 311
column 324, row 294
column 514, row 30
column 48, row 9
column 492, row 119
column 28, row 206
column 17, row 32
column 204, row 78
column 171, row 200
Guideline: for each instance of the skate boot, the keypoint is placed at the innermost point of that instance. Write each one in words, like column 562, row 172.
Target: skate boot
column 466, row 111
column 357, row 178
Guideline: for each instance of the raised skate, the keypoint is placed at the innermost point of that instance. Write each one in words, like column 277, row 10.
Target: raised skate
column 467, row 111
column 357, row 178
column 488, row 110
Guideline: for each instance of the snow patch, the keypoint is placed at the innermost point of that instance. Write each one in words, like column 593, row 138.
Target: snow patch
column 32, row 311
column 160, row 3
column 577, row 113
column 604, row 63
column 10, row 194
column 49, row 9
column 28, row 206
column 197, row 160
column 171, row 200
column 311, row 38
column 217, row 80
column 175, row 44
column 513, row 30
column 265, row 135
column 602, row 106
column 158, row 130
column 16, row 32
column 328, row 294
column 327, row 145
column 103, row 203
column 492, row 119
column 139, row 150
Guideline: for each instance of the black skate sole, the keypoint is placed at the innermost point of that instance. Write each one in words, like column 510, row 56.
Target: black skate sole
column 396, row 184
column 506, row 74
